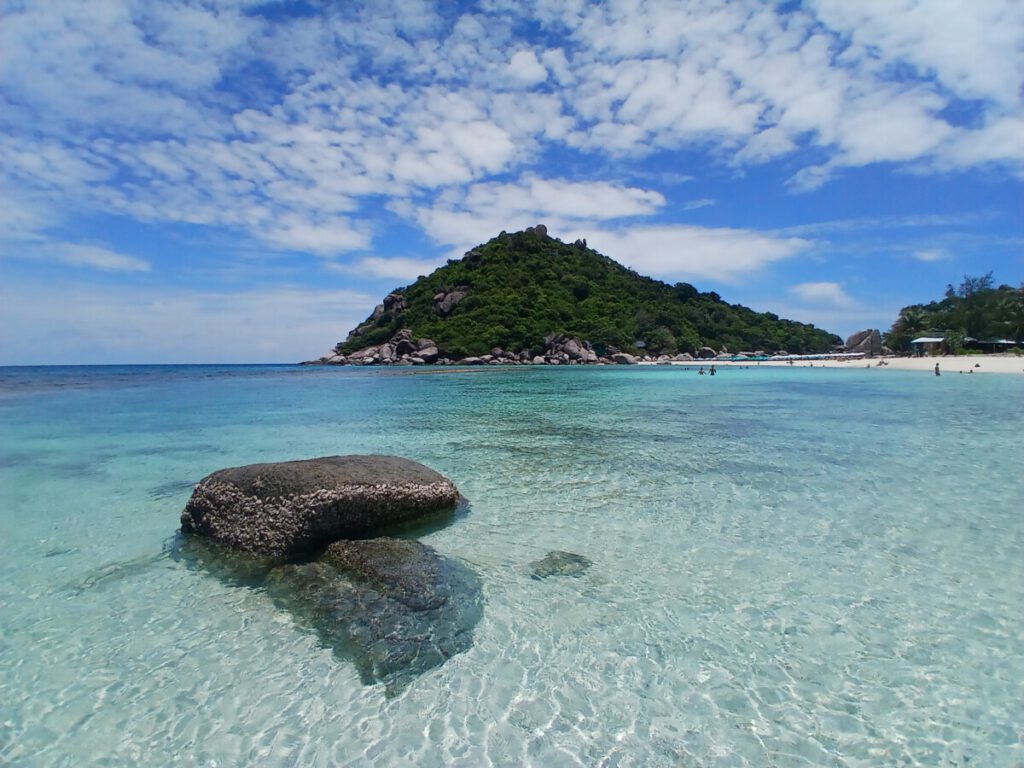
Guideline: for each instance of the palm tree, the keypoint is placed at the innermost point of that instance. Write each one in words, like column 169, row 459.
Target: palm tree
column 1011, row 307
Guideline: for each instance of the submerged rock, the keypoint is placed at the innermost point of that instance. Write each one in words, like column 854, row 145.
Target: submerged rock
column 291, row 509
column 559, row 563
column 395, row 607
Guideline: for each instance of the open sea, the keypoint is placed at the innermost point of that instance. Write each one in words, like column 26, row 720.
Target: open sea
column 791, row 567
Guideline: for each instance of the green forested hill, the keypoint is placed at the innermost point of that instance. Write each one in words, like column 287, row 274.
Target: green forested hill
column 519, row 288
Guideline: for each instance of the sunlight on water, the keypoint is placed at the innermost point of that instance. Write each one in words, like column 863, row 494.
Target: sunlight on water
column 787, row 567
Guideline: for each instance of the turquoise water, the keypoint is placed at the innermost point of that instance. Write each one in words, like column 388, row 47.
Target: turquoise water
column 790, row 567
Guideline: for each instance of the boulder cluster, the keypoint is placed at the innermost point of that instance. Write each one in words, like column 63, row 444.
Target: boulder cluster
column 403, row 349
column 868, row 342
column 309, row 533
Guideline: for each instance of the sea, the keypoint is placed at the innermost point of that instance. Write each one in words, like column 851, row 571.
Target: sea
column 790, row 567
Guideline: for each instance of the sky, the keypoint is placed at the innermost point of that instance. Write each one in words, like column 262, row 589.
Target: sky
column 243, row 181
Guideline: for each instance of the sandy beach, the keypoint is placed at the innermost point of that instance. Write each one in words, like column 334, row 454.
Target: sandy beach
column 963, row 364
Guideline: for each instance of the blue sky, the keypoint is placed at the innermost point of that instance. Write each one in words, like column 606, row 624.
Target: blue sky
column 241, row 181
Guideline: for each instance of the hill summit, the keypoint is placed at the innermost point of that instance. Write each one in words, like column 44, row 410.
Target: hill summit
column 521, row 292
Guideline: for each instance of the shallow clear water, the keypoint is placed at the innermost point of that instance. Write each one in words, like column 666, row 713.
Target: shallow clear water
column 791, row 567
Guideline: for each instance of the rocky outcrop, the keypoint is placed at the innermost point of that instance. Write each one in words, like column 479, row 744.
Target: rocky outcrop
column 567, row 349
column 427, row 351
column 289, row 509
column 446, row 301
column 869, row 342
column 558, row 349
column 394, row 303
column 706, row 353
column 394, row 607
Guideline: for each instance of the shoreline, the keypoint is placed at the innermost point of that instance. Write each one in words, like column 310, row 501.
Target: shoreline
column 948, row 364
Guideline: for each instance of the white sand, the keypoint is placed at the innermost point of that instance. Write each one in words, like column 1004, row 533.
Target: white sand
column 947, row 364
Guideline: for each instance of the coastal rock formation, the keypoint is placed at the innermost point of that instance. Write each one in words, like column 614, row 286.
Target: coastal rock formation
column 568, row 349
column 445, row 302
column 559, row 563
column 289, row 509
column 869, row 342
column 621, row 358
column 393, row 303
column 395, row 607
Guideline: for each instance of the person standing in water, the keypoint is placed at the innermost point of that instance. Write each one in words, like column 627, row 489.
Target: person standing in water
column 937, row 370
column 712, row 371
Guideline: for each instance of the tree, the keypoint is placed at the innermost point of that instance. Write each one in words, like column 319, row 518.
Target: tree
column 973, row 308
column 1012, row 306
column 661, row 341
column 970, row 287
column 954, row 340
column 910, row 324
column 521, row 287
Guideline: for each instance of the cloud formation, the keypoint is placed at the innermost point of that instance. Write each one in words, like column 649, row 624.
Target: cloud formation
column 688, row 253
column 317, row 132
column 101, row 258
column 78, row 322
column 823, row 294
column 930, row 255
column 283, row 129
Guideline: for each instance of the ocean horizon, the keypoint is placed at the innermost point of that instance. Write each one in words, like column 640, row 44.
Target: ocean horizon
column 789, row 566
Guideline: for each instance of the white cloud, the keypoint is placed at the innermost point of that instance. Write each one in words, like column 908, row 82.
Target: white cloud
column 23, row 219
column 973, row 47
column 686, row 252
column 294, row 133
column 1001, row 140
column 556, row 61
column 928, row 221
column 100, row 258
column 151, row 111
column 862, row 82
column 560, row 198
column 929, row 255
column 693, row 205
column 525, row 68
column 325, row 238
column 398, row 267
column 843, row 321
column 464, row 218
column 77, row 322
column 29, row 244
column 823, row 294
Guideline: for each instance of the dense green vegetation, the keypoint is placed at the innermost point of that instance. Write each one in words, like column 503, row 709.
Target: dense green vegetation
column 524, row 286
column 974, row 309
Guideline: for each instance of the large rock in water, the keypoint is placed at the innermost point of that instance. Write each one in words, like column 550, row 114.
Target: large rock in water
column 395, row 607
column 291, row 509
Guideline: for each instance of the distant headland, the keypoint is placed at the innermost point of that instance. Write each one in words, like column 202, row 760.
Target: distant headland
column 529, row 298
